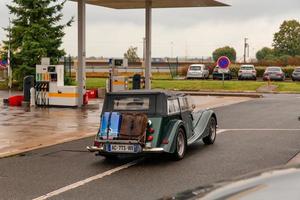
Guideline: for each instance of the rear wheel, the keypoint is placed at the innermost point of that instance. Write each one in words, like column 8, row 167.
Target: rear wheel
column 181, row 145
column 212, row 129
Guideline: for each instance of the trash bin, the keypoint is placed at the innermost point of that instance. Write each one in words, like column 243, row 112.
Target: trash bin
column 136, row 82
column 27, row 84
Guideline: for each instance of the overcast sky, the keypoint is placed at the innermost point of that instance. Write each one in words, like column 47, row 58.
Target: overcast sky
column 192, row 32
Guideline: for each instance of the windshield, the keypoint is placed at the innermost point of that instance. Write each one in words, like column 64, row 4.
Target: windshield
column 195, row 68
column 131, row 103
column 297, row 70
column 247, row 68
column 273, row 69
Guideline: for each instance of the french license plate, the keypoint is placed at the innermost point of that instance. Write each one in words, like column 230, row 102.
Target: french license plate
column 122, row 148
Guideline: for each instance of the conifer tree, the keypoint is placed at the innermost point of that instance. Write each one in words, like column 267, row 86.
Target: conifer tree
column 36, row 31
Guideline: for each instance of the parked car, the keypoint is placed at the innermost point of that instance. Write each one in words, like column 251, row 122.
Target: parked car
column 274, row 74
column 296, row 74
column 217, row 74
column 197, row 71
column 141, row 121
column 247, row 72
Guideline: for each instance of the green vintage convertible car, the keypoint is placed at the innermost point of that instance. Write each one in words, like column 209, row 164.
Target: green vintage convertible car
column 156, row 121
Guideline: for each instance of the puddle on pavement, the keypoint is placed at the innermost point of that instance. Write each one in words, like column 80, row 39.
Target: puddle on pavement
column 25, row 128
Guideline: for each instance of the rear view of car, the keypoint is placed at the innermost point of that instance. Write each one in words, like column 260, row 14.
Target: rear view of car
column 218, row 75
column 296, row 74
column 247, row 72
column 197, row 71
column 274, row 74
column 142, row 122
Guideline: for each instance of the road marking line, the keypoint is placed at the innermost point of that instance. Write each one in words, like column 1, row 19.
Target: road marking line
column 221, row 131
column 295, row 160
column 87, row 180
column 263, row 129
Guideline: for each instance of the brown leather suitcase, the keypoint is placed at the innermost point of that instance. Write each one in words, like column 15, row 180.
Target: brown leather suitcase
column 133, row 126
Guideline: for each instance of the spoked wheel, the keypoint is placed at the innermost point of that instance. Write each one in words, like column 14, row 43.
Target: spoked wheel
column 180, row 145
column 212, row 128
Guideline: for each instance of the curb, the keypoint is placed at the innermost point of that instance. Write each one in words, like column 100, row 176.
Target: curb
column 21, row 152
column 228, row 94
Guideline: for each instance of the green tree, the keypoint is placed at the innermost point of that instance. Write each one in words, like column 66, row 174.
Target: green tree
column 263, row 53
column 287, row 40
column 36, row 32
column 225, row 51
column 131, row 54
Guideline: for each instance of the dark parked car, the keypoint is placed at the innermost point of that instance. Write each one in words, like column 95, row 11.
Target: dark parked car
column 274, row 74
column 142, row 121
column 296, row 74
column 217, row 74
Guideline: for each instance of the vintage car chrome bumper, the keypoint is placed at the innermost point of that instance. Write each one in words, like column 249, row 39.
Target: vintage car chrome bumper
column 144, row 150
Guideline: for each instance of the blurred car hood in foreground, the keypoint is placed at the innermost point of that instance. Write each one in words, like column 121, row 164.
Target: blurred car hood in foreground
column 280, row 183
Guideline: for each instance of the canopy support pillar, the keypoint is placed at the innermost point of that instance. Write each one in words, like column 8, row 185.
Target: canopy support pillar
column 148, row 45
column 81, row 50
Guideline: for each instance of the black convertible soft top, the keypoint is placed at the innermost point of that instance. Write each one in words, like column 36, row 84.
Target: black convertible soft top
column 167, row 93
column 158, row 99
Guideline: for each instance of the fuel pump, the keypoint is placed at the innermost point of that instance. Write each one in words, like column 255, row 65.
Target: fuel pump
column 50, row 89
column 116, row 82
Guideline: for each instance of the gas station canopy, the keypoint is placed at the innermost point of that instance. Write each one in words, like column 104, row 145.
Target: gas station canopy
column 138, row 4
column 128, row 4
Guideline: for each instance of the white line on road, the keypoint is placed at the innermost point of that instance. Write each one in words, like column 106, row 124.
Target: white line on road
column 219, row 131
column 263, row 129
column 87, row 180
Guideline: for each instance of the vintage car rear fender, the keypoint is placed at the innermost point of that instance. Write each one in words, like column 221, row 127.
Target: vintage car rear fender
column 156, row 125
column 200, row 122
column 170, row 136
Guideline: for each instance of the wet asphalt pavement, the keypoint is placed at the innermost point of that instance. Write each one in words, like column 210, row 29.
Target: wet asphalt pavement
column 259, row 134
column 23, row 129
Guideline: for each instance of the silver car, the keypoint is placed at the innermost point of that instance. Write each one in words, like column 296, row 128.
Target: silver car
column 274, row 74
column 296, row 74
column 197, row 71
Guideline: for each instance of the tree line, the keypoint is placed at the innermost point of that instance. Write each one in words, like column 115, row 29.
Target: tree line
column 285, row 48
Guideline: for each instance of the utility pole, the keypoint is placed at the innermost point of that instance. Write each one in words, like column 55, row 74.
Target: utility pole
column 186, row 51
column 246, row 46
column 9, row 71
column 144, row 54
column 172, row 46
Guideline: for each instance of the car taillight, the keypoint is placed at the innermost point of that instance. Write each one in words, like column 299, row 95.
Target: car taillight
column 149, row 138
column 253, row 72
column 165, row 141
column 150, row 131
column 96, row 144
